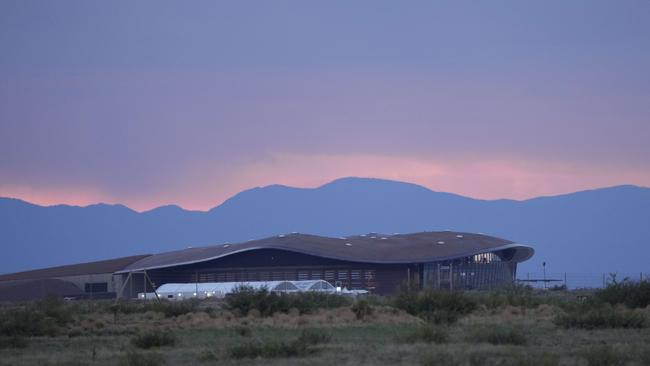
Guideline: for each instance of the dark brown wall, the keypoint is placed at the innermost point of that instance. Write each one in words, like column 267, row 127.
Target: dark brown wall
column 278, row 265
column 274, row 265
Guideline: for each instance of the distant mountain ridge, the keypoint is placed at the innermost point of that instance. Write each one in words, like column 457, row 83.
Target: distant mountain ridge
column 597, row 230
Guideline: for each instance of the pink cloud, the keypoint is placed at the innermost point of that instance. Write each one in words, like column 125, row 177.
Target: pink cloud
column 489, row 178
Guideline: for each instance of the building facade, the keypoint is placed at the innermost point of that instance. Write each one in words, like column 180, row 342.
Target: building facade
column 374, row 262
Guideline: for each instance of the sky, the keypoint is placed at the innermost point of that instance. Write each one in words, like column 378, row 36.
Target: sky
column 150, row 103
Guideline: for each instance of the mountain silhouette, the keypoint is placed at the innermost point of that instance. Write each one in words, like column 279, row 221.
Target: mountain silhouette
column 600, row 230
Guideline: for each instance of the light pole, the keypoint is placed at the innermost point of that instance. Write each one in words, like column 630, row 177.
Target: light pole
column 544, row 271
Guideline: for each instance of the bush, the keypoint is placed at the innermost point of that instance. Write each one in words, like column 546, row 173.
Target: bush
column 498, row 335
column 55, row 308
column 27, row 322
column 271, row 349
column 314, row 337
column 13, row 342
column 588, row 316
column 513, row 295
column 41, row 318
column 644, row 356
column 245, row 298
column 243, row 331
column 168, row 308
column 361, row 309
column 132, row 358
column 603, row 356
column 436, row 306
column 440, row 359
column 153, row 339
column 482, row 358
column 299, row 347
column 629, row 293
column 428, row 334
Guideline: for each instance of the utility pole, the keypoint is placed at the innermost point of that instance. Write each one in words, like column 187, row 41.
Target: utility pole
column 544, row 271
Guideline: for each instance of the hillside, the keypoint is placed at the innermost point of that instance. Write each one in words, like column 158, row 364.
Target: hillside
column 599, row 230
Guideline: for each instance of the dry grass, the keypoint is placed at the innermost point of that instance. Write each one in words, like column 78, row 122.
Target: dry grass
column 210, row 335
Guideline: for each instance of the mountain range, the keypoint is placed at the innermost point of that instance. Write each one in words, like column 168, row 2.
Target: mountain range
column 600, row 230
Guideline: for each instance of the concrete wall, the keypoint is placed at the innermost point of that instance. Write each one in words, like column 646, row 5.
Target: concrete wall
column 82, row 280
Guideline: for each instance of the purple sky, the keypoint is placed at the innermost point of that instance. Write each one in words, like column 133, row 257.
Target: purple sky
column 149, row 103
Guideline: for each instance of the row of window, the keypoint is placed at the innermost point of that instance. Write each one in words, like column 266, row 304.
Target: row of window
column 352, row 279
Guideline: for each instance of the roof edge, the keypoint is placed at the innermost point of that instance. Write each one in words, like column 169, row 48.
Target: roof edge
column 524, row 254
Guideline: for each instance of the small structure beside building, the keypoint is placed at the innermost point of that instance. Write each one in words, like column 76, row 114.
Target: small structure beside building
column 183, row 291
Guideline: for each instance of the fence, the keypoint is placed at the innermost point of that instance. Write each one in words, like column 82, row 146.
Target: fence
column 573, row 280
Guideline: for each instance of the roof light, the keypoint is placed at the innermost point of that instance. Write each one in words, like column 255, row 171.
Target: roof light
column 348, row 244
column 441, row 242
column 226, row 245
column 383, row 238
column 363, row 234
column 459, row 236
column 281, row 236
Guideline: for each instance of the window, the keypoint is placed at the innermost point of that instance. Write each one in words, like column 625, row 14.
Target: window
column 96, row 287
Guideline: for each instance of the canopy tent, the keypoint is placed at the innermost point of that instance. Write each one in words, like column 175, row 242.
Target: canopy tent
column 179, row 291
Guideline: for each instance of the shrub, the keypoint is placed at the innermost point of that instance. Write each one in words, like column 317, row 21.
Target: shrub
column 43, row 317
column 629, row 293
column 132, row 358
column 513, row 295
column 437, row 306
column 498, row 335
column 440, row 359
column 76, row 332
column 27, row 322
column 125, row 307
column 361, row 309
column 308, row 302
column 55, row 308
column 168, row 308
column 172, row 309
column 13, row 342
column 314, row 337
column 603, row 356
column 513, row 359
column 603, row 316
column 245, row 299
column 153, row 339
column 644, row 356
column 428, row 334
column 270, row 349
column 243, row 331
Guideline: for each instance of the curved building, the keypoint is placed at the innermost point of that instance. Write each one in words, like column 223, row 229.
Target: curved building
column 374, row 262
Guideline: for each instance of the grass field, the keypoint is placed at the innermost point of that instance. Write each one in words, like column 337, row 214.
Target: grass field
column 497, row 328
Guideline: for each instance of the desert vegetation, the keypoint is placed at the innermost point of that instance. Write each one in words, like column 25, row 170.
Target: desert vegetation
column 508, row 326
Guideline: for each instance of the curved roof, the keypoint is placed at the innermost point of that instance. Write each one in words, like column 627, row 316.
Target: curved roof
column 368, row 248
column 105, row 266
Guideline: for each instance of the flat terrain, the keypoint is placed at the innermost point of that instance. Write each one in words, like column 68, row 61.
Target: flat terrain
column 378, row 334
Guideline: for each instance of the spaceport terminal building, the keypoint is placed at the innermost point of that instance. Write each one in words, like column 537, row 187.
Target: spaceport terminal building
column 373, row 262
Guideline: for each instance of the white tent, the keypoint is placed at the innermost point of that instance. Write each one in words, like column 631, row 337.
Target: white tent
column 180, row 291
column 314, row 285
